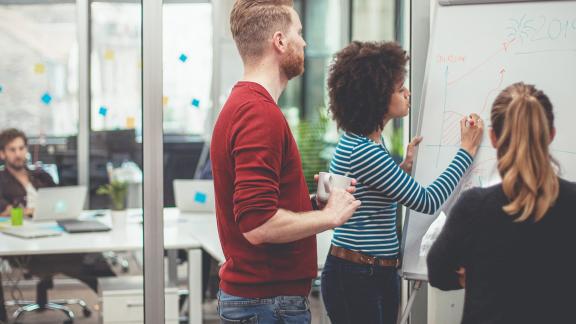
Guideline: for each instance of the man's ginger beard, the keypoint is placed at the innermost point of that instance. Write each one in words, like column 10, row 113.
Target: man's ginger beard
column 292, row 63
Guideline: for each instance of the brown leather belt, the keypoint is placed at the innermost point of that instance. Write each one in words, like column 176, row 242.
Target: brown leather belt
column 360, row 258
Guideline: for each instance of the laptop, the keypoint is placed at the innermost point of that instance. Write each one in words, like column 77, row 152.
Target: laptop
column 58, row 203
column 82, row 226
column 194, row 195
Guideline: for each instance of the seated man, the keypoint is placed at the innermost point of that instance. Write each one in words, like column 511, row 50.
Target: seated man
column 17, row 182
column 18, row 188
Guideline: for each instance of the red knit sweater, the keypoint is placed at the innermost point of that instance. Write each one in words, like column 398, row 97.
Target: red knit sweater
column 257, row 170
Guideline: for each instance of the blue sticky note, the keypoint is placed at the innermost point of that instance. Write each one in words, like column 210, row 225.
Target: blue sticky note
column 196, row 103
column 183, row 58
column 46, row 98
column 103, row 111
column 200, row 198
column 1, row 88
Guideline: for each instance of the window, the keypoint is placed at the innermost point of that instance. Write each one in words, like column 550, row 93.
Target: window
column 116, row 74
column 382, row 20
column 116, row 66
column 39, row 69
column 373, row 20
column 305, row 100
column 187, row 67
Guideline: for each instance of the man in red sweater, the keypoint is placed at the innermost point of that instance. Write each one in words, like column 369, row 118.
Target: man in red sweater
column 266, row 222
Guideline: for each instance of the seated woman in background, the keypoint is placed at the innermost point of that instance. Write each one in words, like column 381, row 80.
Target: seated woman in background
column 366, row 86
column 513, row 245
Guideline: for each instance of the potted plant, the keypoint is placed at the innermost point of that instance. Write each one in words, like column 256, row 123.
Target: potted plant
column 117, row 191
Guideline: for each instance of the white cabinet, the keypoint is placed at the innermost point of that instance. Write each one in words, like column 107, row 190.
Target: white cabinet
column 122, row 301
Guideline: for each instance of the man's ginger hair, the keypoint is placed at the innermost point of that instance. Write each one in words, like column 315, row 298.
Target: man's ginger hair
column 253, row 22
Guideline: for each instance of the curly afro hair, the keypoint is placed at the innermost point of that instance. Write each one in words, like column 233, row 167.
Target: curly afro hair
column 363, row 77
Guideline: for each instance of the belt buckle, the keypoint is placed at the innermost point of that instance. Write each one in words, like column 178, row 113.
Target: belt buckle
column 368, row 259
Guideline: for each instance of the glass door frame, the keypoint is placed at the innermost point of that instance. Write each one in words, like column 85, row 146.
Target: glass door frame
column 153, row 148
column 153, row 157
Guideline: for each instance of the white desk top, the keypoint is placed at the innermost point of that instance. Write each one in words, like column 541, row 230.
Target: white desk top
column 181, row 231
column 176, row 236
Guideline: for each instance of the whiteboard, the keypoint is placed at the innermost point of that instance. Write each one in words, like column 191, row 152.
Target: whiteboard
column 476, row 51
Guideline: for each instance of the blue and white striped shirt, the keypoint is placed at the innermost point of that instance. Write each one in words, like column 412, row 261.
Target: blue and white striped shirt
column 381, row 185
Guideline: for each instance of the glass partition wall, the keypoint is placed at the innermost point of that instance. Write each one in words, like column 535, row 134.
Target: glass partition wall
column 69, row 71
column 119, row 97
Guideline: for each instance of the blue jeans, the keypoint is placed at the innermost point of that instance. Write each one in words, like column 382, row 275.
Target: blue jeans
column 273, row 310
column 356, row 293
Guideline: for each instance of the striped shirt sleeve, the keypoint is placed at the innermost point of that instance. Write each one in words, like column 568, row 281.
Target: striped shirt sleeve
column 373, row 166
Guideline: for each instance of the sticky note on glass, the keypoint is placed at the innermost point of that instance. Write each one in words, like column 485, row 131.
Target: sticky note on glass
column 200, row 198
column 109, row 55
column 130, row 122
column 183, row 58
column 46, row 98
column 165, row 100
column 103, row 111
column 196, row 103
column 39, row 68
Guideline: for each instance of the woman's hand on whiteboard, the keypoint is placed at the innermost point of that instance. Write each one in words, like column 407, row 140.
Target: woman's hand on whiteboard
column 408, row 162
column 471, row 130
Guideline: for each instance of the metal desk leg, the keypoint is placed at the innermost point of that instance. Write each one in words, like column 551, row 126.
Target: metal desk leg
column 195, row 286
column 3, row 316
column 173, row 268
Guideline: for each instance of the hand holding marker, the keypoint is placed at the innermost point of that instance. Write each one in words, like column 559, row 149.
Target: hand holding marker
column 471, row 128
column 470, row 122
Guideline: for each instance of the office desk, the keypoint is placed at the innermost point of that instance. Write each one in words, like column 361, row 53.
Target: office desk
column 177, row 235
column 187, row 231
column 203, row 228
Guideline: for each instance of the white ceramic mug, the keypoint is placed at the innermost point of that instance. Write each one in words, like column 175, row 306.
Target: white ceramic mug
column 328, row 181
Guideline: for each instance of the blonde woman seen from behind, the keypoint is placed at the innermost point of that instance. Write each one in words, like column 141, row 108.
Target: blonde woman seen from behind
column 512, row 245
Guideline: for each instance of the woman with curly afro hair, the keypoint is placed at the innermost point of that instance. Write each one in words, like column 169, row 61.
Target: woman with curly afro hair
column 366, row 87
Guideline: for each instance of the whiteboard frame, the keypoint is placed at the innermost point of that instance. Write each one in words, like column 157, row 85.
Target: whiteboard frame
column 402, row 271
column 468, row 2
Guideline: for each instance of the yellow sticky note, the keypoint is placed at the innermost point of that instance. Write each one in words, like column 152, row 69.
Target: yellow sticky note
column 130, row 122
column 39, row 68
column 165, row 100
column 109, row 55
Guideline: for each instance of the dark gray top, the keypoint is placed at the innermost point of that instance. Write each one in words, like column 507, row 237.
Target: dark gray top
column 515, row 272
column 12, row 192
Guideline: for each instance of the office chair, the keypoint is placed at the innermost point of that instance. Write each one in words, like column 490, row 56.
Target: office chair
column 83, row 267
column 42, row 303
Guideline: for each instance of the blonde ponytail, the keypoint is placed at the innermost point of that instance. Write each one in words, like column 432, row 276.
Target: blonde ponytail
column 522, row 119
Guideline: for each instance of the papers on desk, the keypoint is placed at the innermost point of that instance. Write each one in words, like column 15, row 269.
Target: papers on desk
column 32, row 231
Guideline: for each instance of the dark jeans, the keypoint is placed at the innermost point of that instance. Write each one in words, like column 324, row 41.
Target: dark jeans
column 273, row 310
column 355, row 293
